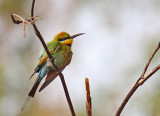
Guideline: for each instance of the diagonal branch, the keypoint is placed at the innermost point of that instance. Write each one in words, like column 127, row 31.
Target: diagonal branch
column 51, row 59
column 140, row 81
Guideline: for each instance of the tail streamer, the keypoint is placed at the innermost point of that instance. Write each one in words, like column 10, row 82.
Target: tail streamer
column 25, row 103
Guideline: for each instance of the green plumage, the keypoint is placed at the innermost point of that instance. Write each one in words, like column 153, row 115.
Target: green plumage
column 61, row 54
column 60, row 49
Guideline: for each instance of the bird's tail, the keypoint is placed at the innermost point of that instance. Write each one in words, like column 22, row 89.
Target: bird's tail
column 34, row 88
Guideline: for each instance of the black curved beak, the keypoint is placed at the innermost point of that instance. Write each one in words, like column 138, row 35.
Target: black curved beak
column 73, row 36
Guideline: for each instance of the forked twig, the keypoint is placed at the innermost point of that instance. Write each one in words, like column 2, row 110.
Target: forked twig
column 140, row 81
column 88, row 98
column 149, row 61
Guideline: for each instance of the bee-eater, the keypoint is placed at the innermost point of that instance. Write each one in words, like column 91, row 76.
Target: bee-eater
column 60, row 49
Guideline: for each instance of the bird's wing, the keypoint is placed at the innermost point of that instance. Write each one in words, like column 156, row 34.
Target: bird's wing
column 52, row 47
column 53, row 74
column 39, row 65
column 50, row 77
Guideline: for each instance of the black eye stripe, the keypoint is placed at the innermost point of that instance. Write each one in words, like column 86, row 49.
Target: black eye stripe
column 62, row 39
column 67, row 38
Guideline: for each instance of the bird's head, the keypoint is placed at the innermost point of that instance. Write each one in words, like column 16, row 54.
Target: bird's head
column 65, row 39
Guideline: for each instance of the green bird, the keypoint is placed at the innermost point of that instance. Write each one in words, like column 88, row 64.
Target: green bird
column 60, row 49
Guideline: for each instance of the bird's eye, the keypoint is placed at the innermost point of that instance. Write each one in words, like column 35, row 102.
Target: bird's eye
column 67, row 38
column 64, row 38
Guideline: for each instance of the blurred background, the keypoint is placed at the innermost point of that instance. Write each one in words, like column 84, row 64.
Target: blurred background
column 120, row 37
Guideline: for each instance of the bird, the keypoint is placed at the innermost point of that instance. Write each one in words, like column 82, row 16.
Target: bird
column 60, row 49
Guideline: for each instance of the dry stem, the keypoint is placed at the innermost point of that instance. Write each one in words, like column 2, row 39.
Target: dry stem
column 88, row 98
column 51, row 59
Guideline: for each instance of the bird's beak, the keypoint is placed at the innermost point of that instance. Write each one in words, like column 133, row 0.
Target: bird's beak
column 73, row 36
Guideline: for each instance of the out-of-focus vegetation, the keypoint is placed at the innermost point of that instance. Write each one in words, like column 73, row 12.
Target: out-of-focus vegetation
column 120, row 37
column 7, row 6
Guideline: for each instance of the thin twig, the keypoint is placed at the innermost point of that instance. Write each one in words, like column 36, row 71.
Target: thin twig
column 88, row 98
column 140, row 81
column 51, row 59
column 149, row 61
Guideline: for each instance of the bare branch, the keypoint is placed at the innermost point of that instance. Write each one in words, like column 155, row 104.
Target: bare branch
column 88, row 98
column 140, row 81
column 51, row 59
